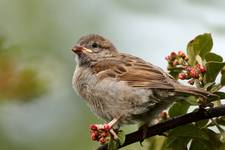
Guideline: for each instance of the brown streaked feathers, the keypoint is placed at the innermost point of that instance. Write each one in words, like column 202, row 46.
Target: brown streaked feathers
column 115, row 84
column 136, row 73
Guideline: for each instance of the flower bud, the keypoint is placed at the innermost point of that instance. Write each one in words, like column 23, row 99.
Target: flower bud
column 104, row 134
column 182, row 76
column 102, row 140
column 188, row 69
column 107, row 127
column 198, row 65
column 93, row 127
column 94, row 136
column 202, row 69
column 186, row 58
column 191, row 82
column 168, row 58
column 181, row 54
column 193, row 73
column 173, row 55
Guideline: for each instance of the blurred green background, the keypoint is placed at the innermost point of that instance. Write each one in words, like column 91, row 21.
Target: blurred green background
column 38, row 107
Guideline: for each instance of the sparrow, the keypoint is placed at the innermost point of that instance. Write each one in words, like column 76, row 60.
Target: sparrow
column 121, row 88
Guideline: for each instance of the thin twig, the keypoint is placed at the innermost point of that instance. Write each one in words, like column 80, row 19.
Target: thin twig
column 159, row 128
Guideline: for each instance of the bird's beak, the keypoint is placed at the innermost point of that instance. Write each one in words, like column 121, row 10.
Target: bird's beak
column 78, row 49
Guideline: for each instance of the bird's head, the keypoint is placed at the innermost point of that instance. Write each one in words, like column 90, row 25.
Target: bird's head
column 93, row 48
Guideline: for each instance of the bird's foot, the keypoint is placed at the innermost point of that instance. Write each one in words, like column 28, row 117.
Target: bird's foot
column 103, row 132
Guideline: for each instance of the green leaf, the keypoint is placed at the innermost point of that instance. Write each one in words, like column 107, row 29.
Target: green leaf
column 121, row 136
column 189, row 130
column 220, row 94
column 223, row 70
column 113, row 145
column 174, row 72
column 198, row 144
column 214, row 138
column 212, row 70
column 199, row 60
column 177, row 143
column 222, row 147
column 156, row 143
column 221, row 120
column 222, row 80
column 209, row 85
column 202, row 123
column 213, row 57
column 192, row 100
column 200, row 45
column 178, row 108
column 202, row 144
column 215, row 88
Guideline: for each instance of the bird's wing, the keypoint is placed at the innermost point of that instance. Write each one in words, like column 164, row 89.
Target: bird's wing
column 133, row 70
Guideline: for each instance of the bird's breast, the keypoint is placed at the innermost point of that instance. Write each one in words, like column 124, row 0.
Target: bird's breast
column 109, row 98
column 86, row 84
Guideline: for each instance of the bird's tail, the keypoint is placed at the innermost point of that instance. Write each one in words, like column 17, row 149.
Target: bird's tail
column 198, row 93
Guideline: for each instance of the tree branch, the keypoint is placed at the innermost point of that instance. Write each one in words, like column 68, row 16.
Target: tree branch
column 159, row 128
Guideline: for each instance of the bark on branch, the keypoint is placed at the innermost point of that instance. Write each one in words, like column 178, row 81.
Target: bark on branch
column 159, row 128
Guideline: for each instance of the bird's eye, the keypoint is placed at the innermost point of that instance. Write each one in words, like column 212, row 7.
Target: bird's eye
column 94, row 45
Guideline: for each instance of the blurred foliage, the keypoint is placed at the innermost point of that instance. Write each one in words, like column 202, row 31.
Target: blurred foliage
column 45, row 30
column 17, row 83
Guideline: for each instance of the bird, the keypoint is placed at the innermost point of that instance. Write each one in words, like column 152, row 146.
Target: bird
column 121, row 88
